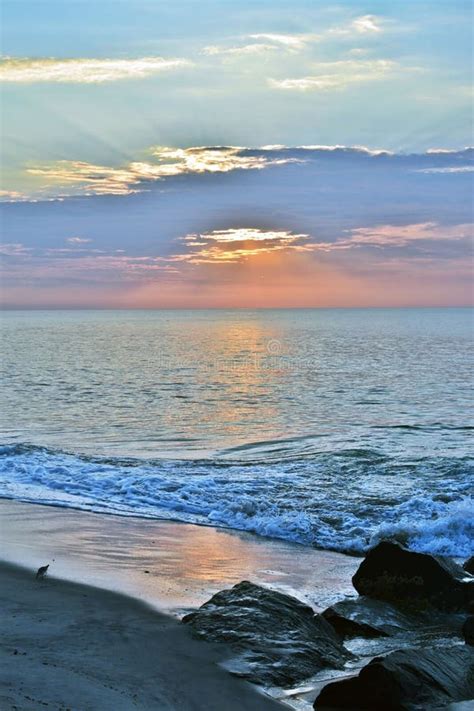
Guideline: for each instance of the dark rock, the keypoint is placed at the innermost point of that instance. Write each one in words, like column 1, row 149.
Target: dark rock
column 405, row 679
column 393, row 573
column 364, row 617
column 280, row 639
column 468, row 630
column 469, row 565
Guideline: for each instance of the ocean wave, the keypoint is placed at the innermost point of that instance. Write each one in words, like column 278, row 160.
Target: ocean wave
column 345, row 500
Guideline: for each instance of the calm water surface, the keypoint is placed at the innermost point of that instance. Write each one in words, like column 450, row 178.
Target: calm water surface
column 329, row 427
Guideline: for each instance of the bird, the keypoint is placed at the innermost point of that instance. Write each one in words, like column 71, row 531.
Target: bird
column 41, row 572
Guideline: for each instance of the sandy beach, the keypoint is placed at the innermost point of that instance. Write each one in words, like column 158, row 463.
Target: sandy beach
column 116, row 642
column 71, row 646
column 173, row 567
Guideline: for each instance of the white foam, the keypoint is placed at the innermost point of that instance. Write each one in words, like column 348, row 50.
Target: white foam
column 344, row 503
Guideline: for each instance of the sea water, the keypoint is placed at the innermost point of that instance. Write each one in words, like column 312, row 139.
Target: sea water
column 333, row 428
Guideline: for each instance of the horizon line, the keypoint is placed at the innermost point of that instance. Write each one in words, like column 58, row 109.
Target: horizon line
column 7, row 309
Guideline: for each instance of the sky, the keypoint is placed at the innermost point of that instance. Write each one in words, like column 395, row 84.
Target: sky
column 236, row 153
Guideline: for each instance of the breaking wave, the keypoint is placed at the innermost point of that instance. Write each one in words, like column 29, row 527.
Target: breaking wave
column 344, row 501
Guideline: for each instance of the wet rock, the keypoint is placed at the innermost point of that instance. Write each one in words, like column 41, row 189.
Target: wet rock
column 368, row 618
column 364, row 617
column 468, row 630
column 405, row 679
column 391, row 572
column 469, row 565
column 280, row 640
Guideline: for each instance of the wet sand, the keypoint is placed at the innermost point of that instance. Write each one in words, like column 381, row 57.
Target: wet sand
column 186, row 564
column 110, row 645
column 68, row 646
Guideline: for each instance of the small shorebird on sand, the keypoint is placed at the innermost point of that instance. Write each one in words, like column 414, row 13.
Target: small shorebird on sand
column 41, row 572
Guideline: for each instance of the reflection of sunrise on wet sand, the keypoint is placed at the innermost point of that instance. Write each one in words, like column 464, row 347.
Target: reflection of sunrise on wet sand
column 186, row 564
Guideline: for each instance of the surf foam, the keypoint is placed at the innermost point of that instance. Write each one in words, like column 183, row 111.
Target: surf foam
column 344, row 501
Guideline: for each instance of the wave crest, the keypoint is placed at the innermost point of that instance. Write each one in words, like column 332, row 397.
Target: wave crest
column 345, row 501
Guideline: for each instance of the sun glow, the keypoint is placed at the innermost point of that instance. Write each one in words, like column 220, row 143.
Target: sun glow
column 238, row 244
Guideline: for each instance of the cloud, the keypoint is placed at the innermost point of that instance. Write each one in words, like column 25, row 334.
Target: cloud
column 323, row 148
column 286, row 41
column 12, row 195
column 62, row 179
column 338, row 75
column 348, row 149
column 92, row 179
column 246, row 219
column 367, row 24
column 448, row 169
column 226, row 246
column 363, row 25
column 218, row 159
column 245, row 50
column 84, row 70
column 270, row 42
column 237, row 244
column 398, row 236
column 436, row 151
column 81, row 265
column 233, row 245
column 401, row 235
column 78, row 240
column 167, row 162
column 14, row 249
column 248, row 234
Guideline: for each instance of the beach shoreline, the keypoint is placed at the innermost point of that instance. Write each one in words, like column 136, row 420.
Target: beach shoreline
column 101, row 625
column 72, row 646
column 112, row 580
column 173, row 566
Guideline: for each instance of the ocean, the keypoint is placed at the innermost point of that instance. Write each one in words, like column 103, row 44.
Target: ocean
column 333, row 428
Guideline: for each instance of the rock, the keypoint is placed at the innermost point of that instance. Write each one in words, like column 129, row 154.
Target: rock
column 280, row 639
column 468, row 630
column 393, row 573
column 469, row 565
column 405, row 679
column 364, row 617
